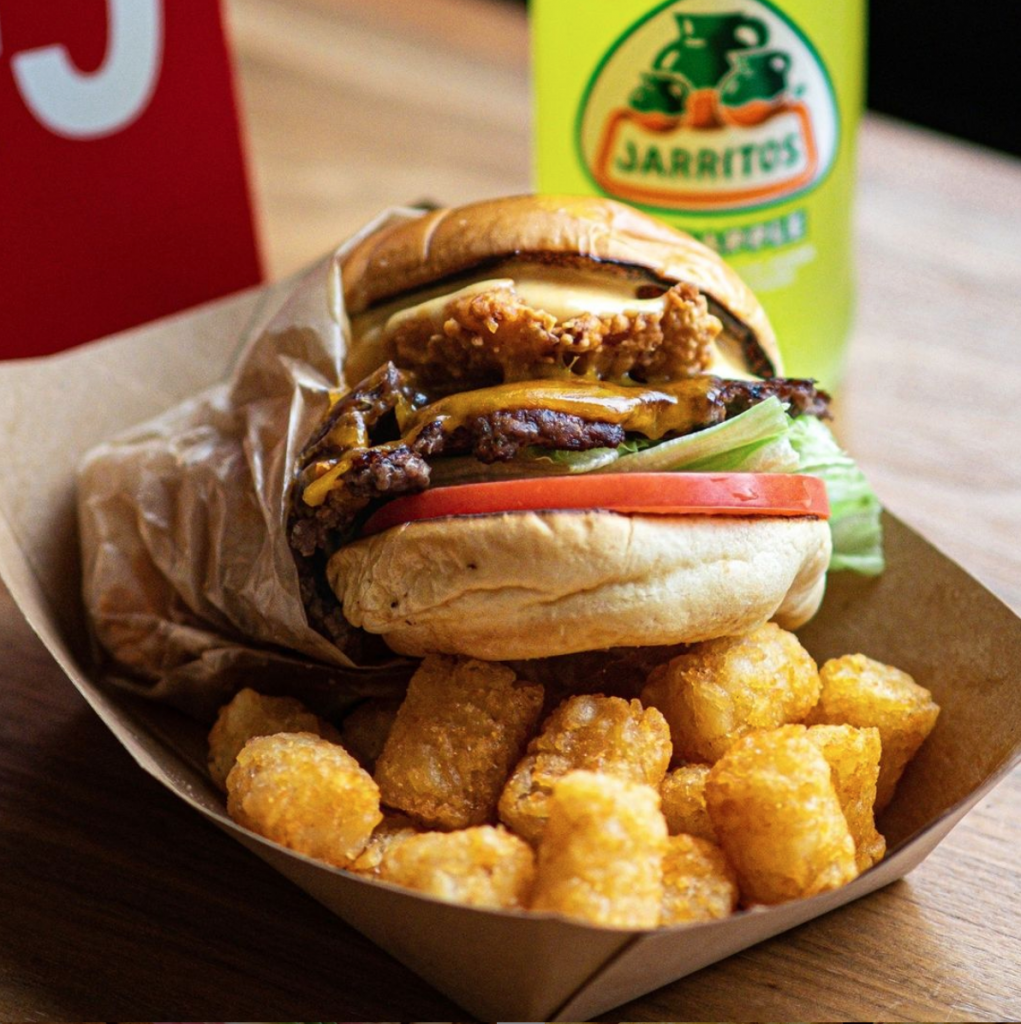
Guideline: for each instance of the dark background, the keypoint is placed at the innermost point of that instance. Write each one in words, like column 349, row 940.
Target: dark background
column 949, row 66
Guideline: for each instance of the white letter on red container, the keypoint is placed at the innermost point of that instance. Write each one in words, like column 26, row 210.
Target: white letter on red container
column 89, row 106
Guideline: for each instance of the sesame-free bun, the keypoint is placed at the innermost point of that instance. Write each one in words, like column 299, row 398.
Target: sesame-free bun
column 414, row 254
column 536, row 584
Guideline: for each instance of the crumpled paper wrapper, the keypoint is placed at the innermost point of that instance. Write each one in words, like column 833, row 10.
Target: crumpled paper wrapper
column 188, row 578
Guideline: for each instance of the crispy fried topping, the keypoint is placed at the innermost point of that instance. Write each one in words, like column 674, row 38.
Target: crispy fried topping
column 492, row 336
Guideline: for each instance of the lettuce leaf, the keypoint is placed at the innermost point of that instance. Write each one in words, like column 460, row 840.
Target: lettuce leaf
column 755, row 426
column 854, row 508
column 762, row 422
column 773, row 455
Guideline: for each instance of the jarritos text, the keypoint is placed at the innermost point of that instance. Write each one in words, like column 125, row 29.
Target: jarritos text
column 703, row 106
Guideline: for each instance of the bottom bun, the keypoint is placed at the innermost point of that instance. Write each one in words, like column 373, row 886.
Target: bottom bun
column 535, row 584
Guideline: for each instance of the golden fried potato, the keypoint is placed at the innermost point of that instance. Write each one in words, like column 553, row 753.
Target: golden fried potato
column 460, row 730
column 364, row 731
column 482, row 866
column 253, row 714
column 588, row 731
column 723, row 689
column 305, row 793
column 776, row 812
column 698, row 882
column 859, row 691
column 853, row 755
column 601, row 856
column 683, row 800
column 393, row 829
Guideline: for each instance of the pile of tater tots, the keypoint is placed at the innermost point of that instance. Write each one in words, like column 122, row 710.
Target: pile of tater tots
column 740, row 774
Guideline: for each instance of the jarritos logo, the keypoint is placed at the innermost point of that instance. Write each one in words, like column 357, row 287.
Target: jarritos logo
column 705, row 106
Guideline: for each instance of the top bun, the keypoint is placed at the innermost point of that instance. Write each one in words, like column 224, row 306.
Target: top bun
column 413, row 254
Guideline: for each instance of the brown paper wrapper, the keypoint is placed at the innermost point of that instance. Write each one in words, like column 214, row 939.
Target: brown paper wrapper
column 188, row 578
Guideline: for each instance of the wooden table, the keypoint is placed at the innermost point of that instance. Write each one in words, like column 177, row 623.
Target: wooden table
column 119, row 901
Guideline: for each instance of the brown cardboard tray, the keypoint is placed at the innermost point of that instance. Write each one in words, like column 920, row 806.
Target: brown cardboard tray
column 925, row 615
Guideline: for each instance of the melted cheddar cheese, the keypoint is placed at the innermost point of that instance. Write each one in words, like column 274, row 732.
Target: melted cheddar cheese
column 650, row 411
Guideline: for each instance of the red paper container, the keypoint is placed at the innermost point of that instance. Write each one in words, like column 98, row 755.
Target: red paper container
column 123, row 191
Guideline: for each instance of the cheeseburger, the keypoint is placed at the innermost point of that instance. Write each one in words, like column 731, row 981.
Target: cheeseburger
column 567, row 429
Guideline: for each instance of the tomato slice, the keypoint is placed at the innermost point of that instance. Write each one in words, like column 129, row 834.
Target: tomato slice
column 668, row 494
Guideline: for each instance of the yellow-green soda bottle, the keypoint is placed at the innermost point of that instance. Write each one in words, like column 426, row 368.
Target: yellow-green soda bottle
column 734, row 120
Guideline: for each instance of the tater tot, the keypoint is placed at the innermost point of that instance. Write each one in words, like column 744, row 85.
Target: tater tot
column 859, row 691
column 776, row 813
column 305, row 793
column 393, row 829
column 723, row 689
column 588, row 731
column 253, row 714
column 853, row 755
column 601, row 856
column 682, row 793
column 698, row 882
column 483, row 866
column 364, row 731
column 462, row 727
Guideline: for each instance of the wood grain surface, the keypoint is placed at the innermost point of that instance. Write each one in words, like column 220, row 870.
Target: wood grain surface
column 116, row 899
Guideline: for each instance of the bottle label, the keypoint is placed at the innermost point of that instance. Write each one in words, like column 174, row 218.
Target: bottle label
column 709, row 105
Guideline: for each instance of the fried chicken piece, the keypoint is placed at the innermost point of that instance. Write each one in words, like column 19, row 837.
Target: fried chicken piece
column 492, row 337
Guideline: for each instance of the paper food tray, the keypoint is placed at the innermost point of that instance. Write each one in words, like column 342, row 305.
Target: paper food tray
column 924, row 614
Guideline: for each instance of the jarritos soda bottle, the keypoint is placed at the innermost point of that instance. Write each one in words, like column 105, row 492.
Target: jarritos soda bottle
column 732, row 119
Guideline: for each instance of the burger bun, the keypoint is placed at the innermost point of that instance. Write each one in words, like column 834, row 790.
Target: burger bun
column 523, row 585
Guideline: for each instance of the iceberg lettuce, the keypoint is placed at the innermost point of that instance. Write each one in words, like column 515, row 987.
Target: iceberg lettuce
column 854, row 508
